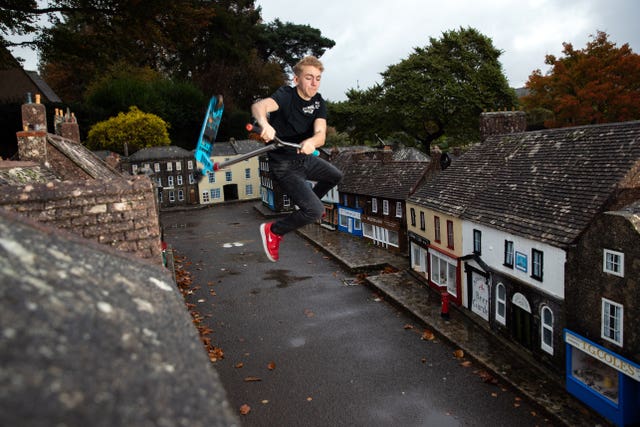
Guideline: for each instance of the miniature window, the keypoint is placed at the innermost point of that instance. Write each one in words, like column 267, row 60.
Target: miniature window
column 537, row 261
column 212, row 177
column 169, row 181
column 450, row 234
column 436, row 228
column 508, row 253
column 413, row 217
column 215, row 193
column 398, row 209
column 169, row 166
column 247, row 173
column 190, row 164
column 422, row 223
column 181, row 195
column 178, row 166
column 228, row 176
column 501, row 304
column 205, row 197
column 249, row 190
column 385, row 207
column 613, row 262
column 546, row 333
column 612, row 313
column 374, row 205
column 477, row 242
column 179, row 179
column 444, row 272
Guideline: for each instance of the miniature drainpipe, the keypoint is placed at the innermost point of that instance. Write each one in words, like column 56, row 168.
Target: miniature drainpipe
column 444, row 310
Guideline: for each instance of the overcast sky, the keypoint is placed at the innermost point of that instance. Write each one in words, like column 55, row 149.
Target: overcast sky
column 370, row 35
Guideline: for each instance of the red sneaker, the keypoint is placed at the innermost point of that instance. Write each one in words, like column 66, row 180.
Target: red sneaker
column 270, row 241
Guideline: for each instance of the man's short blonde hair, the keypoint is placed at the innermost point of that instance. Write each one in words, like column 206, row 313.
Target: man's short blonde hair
column 307, row 61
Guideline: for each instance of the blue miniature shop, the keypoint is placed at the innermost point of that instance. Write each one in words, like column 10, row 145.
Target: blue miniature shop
column 603, row 380
column 349, row 220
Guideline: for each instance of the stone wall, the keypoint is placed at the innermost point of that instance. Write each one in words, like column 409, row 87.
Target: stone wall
column 120, row 213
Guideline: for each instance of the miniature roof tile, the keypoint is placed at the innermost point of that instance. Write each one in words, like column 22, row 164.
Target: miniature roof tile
column 545, row 185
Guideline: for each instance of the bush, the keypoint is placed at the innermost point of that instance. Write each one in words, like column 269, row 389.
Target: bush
column 137, row 129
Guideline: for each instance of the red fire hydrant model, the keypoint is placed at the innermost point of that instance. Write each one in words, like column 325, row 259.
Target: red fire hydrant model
column 444, row 310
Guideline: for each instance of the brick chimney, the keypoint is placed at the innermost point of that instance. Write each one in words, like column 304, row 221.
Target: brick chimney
column 69, row 128
column 32, row 140
column 501, row 122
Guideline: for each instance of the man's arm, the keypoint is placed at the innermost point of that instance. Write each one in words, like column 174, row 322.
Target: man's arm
column 309, row 145
column 260, row 111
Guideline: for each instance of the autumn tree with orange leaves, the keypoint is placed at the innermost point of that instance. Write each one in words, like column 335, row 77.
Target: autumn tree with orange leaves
column 597, row 84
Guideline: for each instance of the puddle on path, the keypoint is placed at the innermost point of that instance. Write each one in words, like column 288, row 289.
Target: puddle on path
column 284, row 277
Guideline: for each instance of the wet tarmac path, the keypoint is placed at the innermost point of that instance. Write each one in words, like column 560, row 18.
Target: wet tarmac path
column 305, row 344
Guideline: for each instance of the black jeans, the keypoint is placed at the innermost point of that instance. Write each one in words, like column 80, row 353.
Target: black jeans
column 292, row 175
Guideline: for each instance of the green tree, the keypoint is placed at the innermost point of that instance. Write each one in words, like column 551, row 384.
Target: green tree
column 362, row 115
column 135, row 128
column 597, row 84
column 285, row 43
column 441, row 89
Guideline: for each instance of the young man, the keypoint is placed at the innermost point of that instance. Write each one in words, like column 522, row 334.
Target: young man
column 296, row 114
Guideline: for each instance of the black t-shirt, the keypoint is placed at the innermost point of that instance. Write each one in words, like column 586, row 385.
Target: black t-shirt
column 293, row 121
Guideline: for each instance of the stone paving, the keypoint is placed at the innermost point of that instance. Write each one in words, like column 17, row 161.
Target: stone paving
column 502, row 358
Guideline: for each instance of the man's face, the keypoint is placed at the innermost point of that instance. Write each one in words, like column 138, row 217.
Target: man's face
column 308, row 82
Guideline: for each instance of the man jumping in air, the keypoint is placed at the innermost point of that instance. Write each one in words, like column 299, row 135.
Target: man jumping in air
column 296, row 114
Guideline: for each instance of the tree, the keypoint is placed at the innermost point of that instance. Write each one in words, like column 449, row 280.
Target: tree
column 441, row 89
column 285, row 43
column 597, row 84
column 136, row 129
column 362, row 115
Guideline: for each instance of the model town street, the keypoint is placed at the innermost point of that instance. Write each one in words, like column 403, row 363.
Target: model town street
column 306, row 346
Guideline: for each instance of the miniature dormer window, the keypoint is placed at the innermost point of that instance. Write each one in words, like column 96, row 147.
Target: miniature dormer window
column 613, row 262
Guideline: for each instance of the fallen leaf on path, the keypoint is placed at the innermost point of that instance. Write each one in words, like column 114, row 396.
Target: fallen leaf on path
column 245, row 409
column 407, row 326
column 271, row 366
column 239, row 365
column 487, row 377
column 252, row 379
column 427, row 335
column 459, row 354
column 466, row 363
